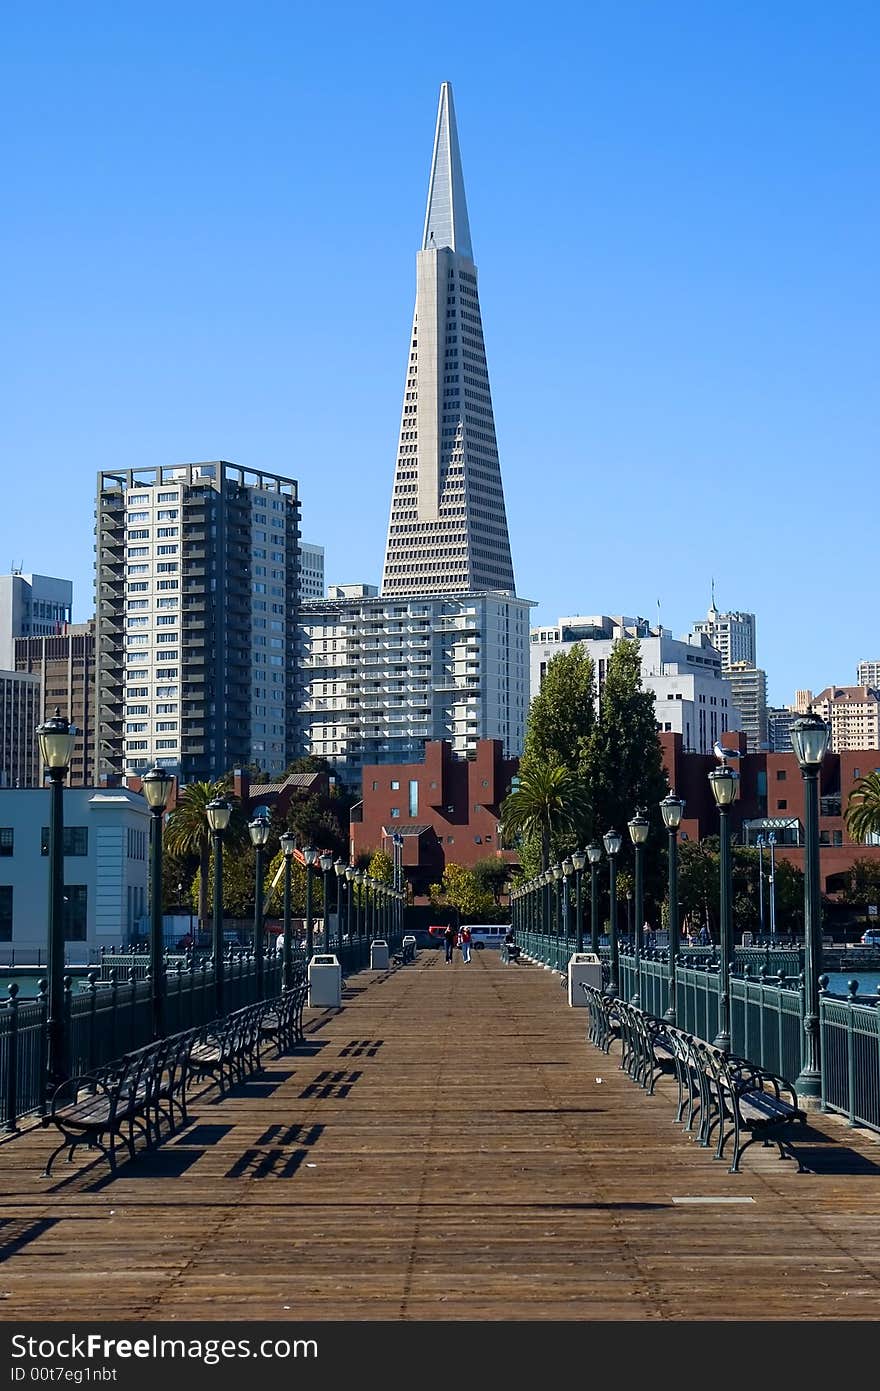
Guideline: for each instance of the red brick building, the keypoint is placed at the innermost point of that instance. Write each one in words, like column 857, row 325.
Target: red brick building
column 445, row 809
column 772, row 799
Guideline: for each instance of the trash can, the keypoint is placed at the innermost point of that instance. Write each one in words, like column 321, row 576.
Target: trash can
column 379, row 955
column 583, row 966
column 325, row 981
column 409, row 947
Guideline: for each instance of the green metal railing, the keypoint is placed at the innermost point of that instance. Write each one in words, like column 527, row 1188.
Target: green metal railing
column 850, row 1041
column 767, row 1022
column 113, row 1015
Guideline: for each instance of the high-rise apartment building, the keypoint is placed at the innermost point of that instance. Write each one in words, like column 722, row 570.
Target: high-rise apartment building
column 853, row 712
column 868, row 674
column 749, row 687
column 780, row 719
column 31, row 606
column 447, row 532
column 384, row 676
column 731, row 634
column 65, row 665
column 692, row 698
column 311, row 571
column 19, row 717
column 197, row 598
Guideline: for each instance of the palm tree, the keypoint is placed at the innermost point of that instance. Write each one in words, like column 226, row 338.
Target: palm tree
column 863, row 808
column 549, row 799
column 187, row 832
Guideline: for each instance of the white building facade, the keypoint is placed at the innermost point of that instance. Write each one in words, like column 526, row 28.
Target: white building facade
column 383, row 675
column 692, row 698
column 20, row 713
column 868, row 674
column 31, row 606
column 731, row 634
column 106, row 860
column 311, row 571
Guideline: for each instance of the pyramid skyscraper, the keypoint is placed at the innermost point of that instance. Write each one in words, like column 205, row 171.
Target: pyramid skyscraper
column 447, row 532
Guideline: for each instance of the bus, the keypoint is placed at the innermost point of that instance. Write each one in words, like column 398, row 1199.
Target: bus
column 482, row 935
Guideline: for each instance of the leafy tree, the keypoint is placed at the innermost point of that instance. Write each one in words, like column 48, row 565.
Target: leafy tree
column 861, row 883
column 549, row 800
column 316, row 819
column 863, row 808
column 562, row 715
column 309, row 763
column 625, row 761
column 381, row 867
column 490, row 876
column 459, row 890
column 187, row 833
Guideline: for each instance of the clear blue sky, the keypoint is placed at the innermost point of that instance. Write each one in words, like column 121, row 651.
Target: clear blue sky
column 210, row 219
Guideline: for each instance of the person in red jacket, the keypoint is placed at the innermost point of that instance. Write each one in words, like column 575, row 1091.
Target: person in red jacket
column 464, row 941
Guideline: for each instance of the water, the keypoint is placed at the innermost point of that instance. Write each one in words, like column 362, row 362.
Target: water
column 868, row 982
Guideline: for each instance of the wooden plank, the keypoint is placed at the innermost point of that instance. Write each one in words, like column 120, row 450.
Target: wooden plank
column 446, row 1145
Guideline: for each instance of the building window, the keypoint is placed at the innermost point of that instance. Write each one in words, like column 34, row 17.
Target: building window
column 5, row 912
column 7, row 840
column 413, row 797
column 782, row 805
column 395, row 785
column 780, row 775
column 75, row 912
column 75, row 840
column 395, row 811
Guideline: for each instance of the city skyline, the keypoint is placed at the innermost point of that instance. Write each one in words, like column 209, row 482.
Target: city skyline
column 679, row 312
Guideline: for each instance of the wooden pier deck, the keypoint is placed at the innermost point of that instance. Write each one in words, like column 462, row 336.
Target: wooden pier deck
column 445, row 1146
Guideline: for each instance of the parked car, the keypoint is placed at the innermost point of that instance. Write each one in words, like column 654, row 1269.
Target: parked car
column 870, row 937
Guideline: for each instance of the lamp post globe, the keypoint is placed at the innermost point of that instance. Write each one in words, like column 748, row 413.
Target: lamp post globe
column 612, row 840
column 809, row 737
column 724, row 782
column 672, row 811
column 56, row 739
column 218, row 811
column 156, row 785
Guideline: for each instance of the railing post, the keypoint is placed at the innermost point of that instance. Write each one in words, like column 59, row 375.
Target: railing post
column 43, row 1001
column 12, row 1061
column 132, row 1006
column 93, row 1002
column 853, row 989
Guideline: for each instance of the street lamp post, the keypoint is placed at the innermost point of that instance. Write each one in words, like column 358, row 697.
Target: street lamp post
column 724, row 782
column 558, row 883
column 759, row 843
column 56, row 739
column 310, row 855
column 218, row 813
column 349, row 882
column 288, row 845
column 594, row 855
column 568, row 871
column 672, row 810
column 771, row 841
column 578, row 860
column 326, row 862
column 612, row 841
column 809, row 737
column 359, row 881
column 157, row 785
column 259, row 830
column 339, row 871
column 639, row 827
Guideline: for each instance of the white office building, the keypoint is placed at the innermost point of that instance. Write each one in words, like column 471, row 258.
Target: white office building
column 106, row 860
column 31, row 606
column 731, row 634
column 20, row 713
column 311, row 571
column 383, row 675
column 692, row 697
column 868, row 674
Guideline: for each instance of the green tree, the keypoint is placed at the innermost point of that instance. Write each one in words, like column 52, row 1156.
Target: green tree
column 562, row 715
column 381, row 867
column 625, row 761
column 548, row 801
column 459, row 890
column 490, row 876
column 863, row 808
column 187, row 833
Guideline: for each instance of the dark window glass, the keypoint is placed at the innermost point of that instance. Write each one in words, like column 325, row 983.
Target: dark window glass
column 7, row 840
column 75, row 912
column 5, row 912
column 75, row 840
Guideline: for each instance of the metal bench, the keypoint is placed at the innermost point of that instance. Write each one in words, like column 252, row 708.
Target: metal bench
column 509, row 954
column 281, row 1021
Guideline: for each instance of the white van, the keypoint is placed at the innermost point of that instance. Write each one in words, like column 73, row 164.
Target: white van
column 487, row 935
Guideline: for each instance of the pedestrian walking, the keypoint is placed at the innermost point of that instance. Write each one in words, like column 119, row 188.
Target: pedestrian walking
column 450, row 938
column 464, row 941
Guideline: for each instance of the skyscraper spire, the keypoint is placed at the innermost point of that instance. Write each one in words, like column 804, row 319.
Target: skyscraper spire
column 446, row 217
column 447, row 531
